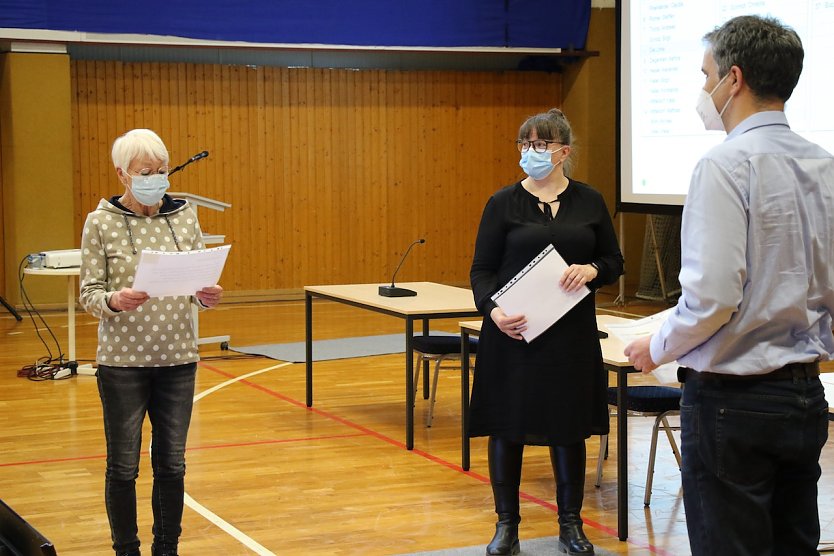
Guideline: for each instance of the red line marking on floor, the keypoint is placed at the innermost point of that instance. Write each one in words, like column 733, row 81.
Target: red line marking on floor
column 190, row 449
column 55, row 460
column 276, row 441
column 435, row 459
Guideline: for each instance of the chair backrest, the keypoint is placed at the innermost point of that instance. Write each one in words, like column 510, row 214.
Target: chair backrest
column 19, row 538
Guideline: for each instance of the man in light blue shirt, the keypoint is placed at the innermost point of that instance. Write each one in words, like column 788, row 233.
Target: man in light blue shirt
column 755, row 314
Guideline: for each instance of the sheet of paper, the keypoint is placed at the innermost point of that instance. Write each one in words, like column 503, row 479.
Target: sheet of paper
column 627, row 332
column 164, row 273
column 535, row 293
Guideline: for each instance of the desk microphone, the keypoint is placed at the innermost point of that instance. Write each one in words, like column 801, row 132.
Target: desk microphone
column 394, row 291
column 195, row 158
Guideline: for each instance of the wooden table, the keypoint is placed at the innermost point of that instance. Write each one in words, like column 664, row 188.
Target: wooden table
column 613, row 360
column 433, row 301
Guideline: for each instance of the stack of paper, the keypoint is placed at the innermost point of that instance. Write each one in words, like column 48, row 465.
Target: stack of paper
column 172, row 273
column 535, row 293
column 627, row 332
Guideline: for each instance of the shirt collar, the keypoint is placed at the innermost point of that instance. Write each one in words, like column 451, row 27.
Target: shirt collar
column 759, row 119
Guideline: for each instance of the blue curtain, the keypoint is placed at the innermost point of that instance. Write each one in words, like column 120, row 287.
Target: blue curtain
column 413, row 23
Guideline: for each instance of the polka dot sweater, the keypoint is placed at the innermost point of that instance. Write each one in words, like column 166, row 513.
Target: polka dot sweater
column 160, row 332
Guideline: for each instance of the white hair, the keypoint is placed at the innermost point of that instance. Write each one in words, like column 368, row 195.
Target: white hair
column 138, row 143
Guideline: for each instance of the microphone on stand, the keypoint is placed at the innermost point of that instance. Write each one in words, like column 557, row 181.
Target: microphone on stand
column 194, row 158
column 394, row 291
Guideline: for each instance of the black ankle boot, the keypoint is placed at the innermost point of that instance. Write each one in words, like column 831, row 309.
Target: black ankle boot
column 163, row 550
column 572, row 539
column 505, row 541
column 569, row 469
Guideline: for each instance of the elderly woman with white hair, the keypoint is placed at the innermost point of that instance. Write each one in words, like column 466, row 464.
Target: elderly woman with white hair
column 147, row 348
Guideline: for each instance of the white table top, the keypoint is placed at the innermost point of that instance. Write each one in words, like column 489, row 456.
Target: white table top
column 68, row 271
column 612, row 348
column 431, row 298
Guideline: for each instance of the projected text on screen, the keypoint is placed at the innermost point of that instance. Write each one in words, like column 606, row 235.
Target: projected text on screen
column 661, row 136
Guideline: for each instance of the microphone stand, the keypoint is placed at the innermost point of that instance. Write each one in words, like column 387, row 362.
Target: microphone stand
column 194, row 158
column 394, row 291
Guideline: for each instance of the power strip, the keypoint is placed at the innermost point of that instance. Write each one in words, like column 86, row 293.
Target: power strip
column 86, row 369
column 73, row 368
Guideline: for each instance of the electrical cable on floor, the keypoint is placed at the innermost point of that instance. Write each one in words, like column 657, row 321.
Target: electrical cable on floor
column 48, row 367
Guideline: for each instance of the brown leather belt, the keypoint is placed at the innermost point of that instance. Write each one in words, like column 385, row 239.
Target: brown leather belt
column 788, row 372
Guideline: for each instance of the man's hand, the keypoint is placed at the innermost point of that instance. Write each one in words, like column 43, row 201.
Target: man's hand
column 639, row 355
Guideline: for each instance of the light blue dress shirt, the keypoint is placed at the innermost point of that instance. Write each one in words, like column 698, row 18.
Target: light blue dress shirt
column 757, row 255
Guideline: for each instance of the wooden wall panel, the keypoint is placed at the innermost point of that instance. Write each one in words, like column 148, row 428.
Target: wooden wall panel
column 3, row 291
column 331, row 173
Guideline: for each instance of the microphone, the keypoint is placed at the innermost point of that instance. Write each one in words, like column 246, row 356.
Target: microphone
column 394, row 291
column 195, row 158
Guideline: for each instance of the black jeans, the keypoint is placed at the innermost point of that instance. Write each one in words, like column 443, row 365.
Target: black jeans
column 166, row 394
column 751, row 465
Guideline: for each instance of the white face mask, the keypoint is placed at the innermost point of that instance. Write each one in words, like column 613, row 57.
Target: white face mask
column 149, row 190
column 708, row 112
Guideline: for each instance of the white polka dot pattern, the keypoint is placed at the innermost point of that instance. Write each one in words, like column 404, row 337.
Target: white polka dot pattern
column 143, row 336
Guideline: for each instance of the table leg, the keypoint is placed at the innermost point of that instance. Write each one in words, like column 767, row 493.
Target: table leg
column 71, row 316
column 425, row 364
column 622, row 454
column 308, row 345
column 464, row 400
column 409, row 383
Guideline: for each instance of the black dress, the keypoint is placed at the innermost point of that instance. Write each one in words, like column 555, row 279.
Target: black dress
column 552, row 390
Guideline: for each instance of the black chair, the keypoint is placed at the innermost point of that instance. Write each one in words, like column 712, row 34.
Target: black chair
column 438, row 349
column 19, row 538
column 660, row 402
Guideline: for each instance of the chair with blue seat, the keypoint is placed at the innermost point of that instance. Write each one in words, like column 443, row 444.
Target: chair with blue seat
column 660, row 402
column 437, row 348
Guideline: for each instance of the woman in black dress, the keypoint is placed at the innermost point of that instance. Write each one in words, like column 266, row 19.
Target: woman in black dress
column 550, row 392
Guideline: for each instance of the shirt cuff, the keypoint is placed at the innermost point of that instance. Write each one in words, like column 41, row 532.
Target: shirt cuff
column 659, row 357
column 106, row 309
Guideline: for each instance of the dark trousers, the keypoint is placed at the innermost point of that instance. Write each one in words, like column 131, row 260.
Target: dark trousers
column 751, row 454
column 166, row 394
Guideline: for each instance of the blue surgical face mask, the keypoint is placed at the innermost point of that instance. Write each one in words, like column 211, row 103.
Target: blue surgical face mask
column 538, row 165
column 149, row 190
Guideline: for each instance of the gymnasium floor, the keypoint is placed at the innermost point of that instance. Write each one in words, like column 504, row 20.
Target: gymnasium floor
column 268, row 475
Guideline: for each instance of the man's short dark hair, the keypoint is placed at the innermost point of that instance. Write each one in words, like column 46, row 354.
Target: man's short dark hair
column 768, row 53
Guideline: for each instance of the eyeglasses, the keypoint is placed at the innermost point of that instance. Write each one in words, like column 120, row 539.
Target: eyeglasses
column 539, row 145
column 148, row 171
